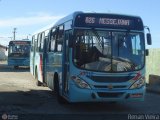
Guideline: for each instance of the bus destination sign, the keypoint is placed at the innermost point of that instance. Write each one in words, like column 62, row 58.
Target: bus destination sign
column 108, row 21
column 20, row 42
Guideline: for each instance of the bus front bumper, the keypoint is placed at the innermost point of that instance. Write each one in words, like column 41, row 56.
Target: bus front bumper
column 89, row 95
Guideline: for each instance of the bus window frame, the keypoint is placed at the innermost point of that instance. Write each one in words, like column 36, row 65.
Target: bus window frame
column 59, row 38
column 52, row 38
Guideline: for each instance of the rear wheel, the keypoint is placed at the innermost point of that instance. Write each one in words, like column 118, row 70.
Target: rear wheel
column 113, row 102
column 15, row 67
column 38, row 83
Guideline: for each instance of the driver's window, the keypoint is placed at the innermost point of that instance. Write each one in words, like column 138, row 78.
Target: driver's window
column 136, row 45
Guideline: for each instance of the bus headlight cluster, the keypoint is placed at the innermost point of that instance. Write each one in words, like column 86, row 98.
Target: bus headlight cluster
column 139, row 83
column 80, row 83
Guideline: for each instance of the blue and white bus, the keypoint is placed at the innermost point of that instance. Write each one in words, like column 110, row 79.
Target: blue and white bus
column 19, row 53
column 92, row 57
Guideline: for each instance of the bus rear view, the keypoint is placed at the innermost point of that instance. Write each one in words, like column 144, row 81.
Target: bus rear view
column 18, row 53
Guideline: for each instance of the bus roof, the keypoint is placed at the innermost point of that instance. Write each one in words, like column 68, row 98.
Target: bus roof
column 67, row 18
column 48, row 27
column 74, row 14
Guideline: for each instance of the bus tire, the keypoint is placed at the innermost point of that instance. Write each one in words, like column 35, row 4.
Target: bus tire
column 112, row 102
column 38, row 83
column 15, row 67
column 60, row 99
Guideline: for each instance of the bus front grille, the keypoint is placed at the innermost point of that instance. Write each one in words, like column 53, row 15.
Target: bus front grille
column 108, row 87
column 111, row 79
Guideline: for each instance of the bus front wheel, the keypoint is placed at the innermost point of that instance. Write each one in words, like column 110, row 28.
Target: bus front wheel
column 60, row 99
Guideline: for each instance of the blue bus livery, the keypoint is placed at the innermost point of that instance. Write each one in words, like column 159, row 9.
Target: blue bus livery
column 92, row 57
column 18, row 53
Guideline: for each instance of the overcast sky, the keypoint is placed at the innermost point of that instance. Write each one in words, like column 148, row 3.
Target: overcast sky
column 30, row 15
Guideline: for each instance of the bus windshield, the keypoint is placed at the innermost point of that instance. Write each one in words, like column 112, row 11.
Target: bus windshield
column 17, row 50
column 108, row 51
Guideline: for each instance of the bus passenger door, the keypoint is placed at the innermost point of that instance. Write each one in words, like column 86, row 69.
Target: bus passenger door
column 65, row 65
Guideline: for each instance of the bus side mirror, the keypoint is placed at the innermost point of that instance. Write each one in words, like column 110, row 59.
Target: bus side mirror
column 147, row 52
column 6, row 48
column 70, row 44
column 149, row 40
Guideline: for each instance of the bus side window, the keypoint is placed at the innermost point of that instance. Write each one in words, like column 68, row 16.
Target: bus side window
column 32, row 43
column 59, row 40
column 38, row 43
column 52, row 40
column 42, row 41
column 52, row 44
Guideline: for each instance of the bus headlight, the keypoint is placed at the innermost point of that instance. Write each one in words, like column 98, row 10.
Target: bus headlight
column 139, row 83
column 80, row 83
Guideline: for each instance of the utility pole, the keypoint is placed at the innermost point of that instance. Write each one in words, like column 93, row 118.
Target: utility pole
column 28, row 36
column 14, row 33
column 10, row 37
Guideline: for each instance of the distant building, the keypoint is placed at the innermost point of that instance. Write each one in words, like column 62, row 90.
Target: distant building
column 152, row 63
column 3, row 52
